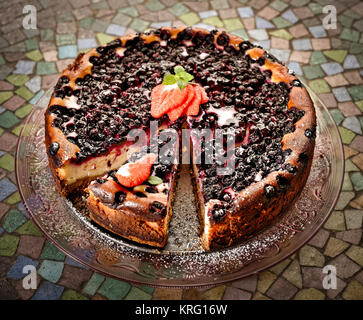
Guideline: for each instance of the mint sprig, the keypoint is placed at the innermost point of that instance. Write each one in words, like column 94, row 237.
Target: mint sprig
column 181, row 77
column 154, row 180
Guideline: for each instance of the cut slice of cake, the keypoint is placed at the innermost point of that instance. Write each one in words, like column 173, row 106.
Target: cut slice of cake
column 135, row 201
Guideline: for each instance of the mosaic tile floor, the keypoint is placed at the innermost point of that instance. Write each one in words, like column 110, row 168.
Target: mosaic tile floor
column 331, row 62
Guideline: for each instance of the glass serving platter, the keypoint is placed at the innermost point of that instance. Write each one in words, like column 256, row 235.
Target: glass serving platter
column 183, row 262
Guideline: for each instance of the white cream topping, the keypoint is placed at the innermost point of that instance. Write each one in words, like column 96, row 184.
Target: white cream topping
column 184, row 52
column 225, row 115
column 71, row 102
column 203, row 55
column 120, row 51
column 124, row 170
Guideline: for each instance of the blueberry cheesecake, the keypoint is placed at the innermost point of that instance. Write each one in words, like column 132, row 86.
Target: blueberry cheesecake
column 181, row 78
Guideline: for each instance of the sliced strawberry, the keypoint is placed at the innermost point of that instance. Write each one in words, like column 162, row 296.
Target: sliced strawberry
column 204, row 96
column 176, row 113
column 174, row 98
column 156, row 96
column 133, row 174
column 193, row 108
column 166, row 98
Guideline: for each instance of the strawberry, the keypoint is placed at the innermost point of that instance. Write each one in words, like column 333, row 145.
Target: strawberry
column 166, row 98
column 156, row 98
column 174, row 114
column 176, row 96
column 133, row 174
column 193, row 108
column 204, row 96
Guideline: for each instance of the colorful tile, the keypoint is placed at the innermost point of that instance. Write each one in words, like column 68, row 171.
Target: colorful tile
column 50, row 252
column 16, row 271
column 48, row 291
column 93, row 284
column 13, row 221
column 8, row 245
column 114, row 289
column 68, row 51
column 51, row 270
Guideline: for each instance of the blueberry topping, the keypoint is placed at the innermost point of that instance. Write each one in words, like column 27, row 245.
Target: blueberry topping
column 310, row 134
column 63, row 80
column 290, row 168
column 150, row 189
column 140, row 194
column 53, row 149
column 282, row 182
column 223, row 39
column 226, row 197
column 218, row 213
column 269, row 191
column 115, row 98
column 303, row 158
column 157, row 208
column 101, row 181
column 296, row 83
column 120, row 197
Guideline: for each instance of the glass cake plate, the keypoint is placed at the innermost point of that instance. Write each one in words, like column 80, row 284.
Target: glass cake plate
column 183, row 262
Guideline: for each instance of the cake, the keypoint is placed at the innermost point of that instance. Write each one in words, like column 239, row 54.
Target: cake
column 236, row 91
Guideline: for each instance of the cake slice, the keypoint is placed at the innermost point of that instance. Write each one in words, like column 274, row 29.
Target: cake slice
column 142, row 212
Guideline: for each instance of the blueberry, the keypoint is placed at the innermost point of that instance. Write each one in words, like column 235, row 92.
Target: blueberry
column 120, row 197
column 53, row 149
column 296, row 83
column 282, row 182
column 101, row 181
column 63, row 80
column 303, row 158
column 290, row 168
column 223, row 39
column 226, row 197
column 245, row 45
column 157, row 208
column 227, row 181
column 309, row 134
column 140, row 194
column 164, row 34
column 269, row 191
column 149, row 189
column 218, row 213
column 94, row 60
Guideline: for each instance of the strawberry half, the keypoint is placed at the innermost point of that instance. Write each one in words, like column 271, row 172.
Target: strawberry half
column 133, row 174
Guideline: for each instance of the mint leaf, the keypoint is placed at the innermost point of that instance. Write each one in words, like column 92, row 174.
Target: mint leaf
column 169, row 79
column 182, row 84
column 178, row 69
column 181, row 77
column 154, row 180
column 185, row 76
